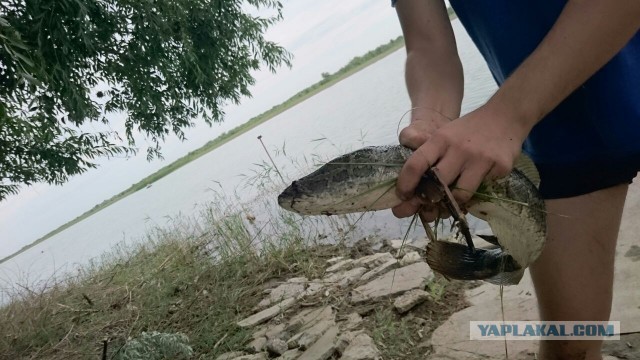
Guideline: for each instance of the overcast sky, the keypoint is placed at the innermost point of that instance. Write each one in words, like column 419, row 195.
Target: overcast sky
column 322, row 35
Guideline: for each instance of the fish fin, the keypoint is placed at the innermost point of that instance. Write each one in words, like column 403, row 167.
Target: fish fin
column 528, row 168
column 507, row 278
column 492, row 239
column 457, row 261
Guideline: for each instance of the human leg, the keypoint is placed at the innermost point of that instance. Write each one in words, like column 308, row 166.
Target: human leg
column 574, row 275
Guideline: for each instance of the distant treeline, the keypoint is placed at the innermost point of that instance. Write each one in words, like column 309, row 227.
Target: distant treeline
column 356, row 64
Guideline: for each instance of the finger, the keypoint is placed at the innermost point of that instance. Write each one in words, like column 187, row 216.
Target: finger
column 469, row 181
column 417, row 164
column 499, row 170
column 429, row 214
column 412, row 137
column 405, row 209
column 450, row 166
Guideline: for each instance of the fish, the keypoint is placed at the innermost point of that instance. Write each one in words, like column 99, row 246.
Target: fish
column 364, row 180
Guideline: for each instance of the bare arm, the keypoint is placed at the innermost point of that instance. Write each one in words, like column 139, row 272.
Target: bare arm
column 586, row 36
column 433, row 70
column 485, row 142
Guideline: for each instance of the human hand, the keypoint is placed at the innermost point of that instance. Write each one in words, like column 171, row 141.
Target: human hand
column 482, row 144
column 423, row 123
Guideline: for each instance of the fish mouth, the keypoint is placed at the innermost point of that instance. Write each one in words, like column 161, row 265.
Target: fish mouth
column 286, row 199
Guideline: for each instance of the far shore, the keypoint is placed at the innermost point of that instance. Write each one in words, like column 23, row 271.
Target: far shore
column 356, row 64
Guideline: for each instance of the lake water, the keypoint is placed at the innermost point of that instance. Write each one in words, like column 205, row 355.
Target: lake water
column 364, row 109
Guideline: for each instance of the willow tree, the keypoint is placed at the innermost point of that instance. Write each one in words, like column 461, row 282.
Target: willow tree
column 164, row 64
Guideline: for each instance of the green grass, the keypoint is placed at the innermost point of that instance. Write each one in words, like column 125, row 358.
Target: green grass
column 197, row 280
column 355, row 65
column 180, row 293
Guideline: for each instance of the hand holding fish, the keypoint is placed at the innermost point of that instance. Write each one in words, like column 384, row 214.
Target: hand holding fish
column 482, row 144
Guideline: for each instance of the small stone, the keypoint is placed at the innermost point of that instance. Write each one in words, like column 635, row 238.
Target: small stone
column 262, row 331
column 256, row 345
column 315, row 286
column 351, row 277
column 261, row 356
column 292, row 343
column 276, row 346
column 408, row 300
column 322, row 349
column 344, row 340
column 340, row 265
column 410, row 258
column 390, row 264
column 374, row 260
column 334, row 260
column 353, row 320
column 284, row 291
column 404, row 246
column 332, row 278
column 312, row 334
column 290, row 355
column 309, row 317
column 275, row 331
column 401, row 280
column 395, row 244
column 361, row 347
column 267, row 314
column 231, row 355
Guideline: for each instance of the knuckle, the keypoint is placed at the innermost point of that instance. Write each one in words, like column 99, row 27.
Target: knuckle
column 410, row 137
column 405, row 135
column 462, row 196
column 501, row 168
column 442, row 136
column 408, row 133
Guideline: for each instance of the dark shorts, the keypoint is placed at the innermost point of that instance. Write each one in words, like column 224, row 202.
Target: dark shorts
column 569, row 180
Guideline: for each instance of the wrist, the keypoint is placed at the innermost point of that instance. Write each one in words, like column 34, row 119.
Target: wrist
column 432, row 113
column 517, row 117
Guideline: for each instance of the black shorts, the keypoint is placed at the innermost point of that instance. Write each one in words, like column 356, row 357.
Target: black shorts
column 559, row 181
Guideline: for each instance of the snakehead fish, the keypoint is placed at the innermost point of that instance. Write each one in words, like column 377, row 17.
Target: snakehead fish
column 364, row 180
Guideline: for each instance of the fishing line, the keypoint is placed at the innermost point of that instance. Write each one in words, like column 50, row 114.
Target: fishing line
column 404, row 239
column 506, row 350
column 480, row 195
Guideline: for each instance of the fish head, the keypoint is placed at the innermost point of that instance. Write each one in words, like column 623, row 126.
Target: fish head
column 363, row 180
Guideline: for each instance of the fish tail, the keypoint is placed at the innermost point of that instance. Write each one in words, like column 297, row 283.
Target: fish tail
column 507, row 278
column 457, row 261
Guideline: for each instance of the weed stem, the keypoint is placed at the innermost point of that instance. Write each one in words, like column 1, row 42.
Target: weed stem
column 272, row 162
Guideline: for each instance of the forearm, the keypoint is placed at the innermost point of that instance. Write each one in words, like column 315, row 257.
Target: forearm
column 585, row 37
column 434, row 81
column 433, row 71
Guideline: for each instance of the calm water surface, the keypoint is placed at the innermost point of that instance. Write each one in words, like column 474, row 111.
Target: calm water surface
column 364, row 109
